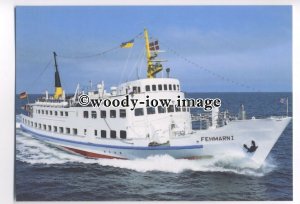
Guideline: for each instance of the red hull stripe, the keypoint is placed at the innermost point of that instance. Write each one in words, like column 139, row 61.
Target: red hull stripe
column 91, row 154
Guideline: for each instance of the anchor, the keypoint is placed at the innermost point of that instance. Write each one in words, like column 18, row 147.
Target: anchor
column 252, row 148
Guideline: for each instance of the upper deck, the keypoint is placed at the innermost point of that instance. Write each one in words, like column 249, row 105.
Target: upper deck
column 149, row 85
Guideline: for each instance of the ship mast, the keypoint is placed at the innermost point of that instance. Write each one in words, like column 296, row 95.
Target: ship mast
column 58, row 89
column 152, row 69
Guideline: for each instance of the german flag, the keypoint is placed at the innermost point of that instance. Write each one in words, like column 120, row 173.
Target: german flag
column 128, row 44
column 23, row 95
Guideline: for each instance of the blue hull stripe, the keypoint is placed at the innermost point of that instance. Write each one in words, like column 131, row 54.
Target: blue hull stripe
column 115, row 146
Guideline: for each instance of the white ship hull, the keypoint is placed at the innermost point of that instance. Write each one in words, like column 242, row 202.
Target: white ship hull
column 227, row 140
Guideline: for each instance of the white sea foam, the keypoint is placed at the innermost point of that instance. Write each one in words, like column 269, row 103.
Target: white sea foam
column 33, row 151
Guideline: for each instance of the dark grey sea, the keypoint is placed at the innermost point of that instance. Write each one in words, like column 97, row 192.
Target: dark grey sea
column 45, row 173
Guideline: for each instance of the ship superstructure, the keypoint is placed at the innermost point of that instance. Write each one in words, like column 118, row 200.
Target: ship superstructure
column 127, row 133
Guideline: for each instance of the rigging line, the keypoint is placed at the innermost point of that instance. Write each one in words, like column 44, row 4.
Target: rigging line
column 125, row 66
column 89, row 56
column 141, row 63
column 41, row 73
column 211, row 72
column 140, row 59
column 138, row 35
column 97, row 54
column 137, row 61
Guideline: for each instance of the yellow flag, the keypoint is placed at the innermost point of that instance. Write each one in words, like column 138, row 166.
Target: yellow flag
column 128, row 44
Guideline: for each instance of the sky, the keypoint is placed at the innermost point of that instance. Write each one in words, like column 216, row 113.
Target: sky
column 208, row 48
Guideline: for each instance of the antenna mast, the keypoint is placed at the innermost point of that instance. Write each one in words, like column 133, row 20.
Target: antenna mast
column 152, row 69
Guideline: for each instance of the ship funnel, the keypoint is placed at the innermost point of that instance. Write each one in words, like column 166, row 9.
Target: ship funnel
column 58, row 89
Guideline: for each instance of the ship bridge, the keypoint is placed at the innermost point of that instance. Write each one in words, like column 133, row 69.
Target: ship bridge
column 148, row 85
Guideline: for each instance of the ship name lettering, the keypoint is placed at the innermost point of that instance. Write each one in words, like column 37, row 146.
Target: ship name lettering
column 217, row 138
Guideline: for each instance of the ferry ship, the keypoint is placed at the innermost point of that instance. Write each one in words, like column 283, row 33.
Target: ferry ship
column 123, row 133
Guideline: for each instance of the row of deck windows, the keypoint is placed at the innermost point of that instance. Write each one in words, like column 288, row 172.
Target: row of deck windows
column 160, row 109
column 67, row 130
column 50, row 112
column 113, row 134
column 137, row 112
column 112, row 113
column 51, row 128
column 161, row 87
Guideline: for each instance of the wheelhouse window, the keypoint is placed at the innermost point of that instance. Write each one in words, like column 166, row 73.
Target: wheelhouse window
column 103, row 133
column 94, row 114
column 44, row 127
column 136, row 89
column 42, row 111
column 103, row 114
column 171, row 109
column 61, row 130
column 85, row 114
column 40, row 126
column 178, row 87
column 112, row 113
column 161, row 109
column 174, row 87
column 113, row 134
column 46, row 112
column 66, row 113
column 68, row 130
column 123, row 134
column 122, row 113
column 35, row 124
column 150, row 110
column 38, row 111
column 61, row 113
column 165, row 87
column 170, row 87
column 95, row 132
column 55, row 128
column 55, row 112
column 138, row 111
column 50, row 112
column 159, row 87
column 49, row 127
column 147, row 88
column 84, row 131
column 74, row 131
column 153, row 87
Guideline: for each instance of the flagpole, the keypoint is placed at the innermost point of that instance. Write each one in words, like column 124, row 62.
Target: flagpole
column 27, row 98
column 287, row 106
